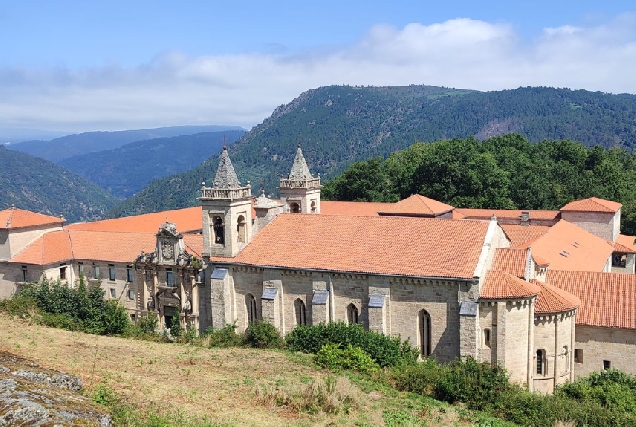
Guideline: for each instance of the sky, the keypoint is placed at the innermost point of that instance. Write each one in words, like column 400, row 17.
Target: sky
column 77, row 66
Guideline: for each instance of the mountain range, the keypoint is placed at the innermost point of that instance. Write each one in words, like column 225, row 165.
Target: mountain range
column 338, row 125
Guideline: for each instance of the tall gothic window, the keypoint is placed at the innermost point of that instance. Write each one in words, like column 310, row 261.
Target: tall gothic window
column 425, row 333
column 301, row 312
column 250, row 305
column 240, row 229
column 352, row 313
column 219, row 231
column 541, row 362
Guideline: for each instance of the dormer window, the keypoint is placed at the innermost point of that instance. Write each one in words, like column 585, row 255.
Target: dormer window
column 219, row 230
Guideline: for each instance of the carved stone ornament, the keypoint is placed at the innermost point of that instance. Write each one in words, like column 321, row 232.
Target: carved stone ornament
column 167, row 250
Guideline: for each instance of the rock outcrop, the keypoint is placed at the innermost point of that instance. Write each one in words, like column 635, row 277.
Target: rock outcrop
column 34, row 396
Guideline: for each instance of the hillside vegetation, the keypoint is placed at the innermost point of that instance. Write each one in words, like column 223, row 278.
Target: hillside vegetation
column 339, row 125
column 67, row 146
column 504, row 172
column 41, row 186
column 126, row 170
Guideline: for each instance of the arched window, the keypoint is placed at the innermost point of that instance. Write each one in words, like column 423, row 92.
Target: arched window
column 313, row 206
column 240, row 229
column 541, row 362
column 250, row 305
column 567, row 358
column 294, row 208
column 487, row 337
column 301, row 312
column 352, row 313
column 425, row 333
column 219, row 231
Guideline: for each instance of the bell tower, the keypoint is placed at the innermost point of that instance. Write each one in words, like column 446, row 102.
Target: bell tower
column 300, row 192
column 227, row 212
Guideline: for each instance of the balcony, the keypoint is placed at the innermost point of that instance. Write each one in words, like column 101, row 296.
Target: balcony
column 300, row 183
column 210, row 193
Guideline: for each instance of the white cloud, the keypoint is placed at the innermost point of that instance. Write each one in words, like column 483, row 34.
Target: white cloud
column 173, row 88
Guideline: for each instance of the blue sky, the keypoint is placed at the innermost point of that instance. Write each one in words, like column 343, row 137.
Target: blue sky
column 76, row 66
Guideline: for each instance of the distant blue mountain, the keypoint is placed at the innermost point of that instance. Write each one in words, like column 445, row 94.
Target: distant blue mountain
column 124, row 171
column 67, row 146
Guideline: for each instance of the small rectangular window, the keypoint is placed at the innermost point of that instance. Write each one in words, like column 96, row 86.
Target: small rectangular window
column 25, row 275
column 131, row 294
column 607, row 364
column 96, row 272
column 169, row 278
column 578, row 355
column 113, row 292
column 111, row 272
column 80, row 268
column 63, row 273
column 129, row 274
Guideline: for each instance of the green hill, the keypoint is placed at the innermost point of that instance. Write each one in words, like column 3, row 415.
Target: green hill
column 338, row 125
column 41, row 186
column 126, row 170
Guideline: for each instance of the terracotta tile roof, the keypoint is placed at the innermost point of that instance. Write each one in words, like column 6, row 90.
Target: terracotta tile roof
column 417, row 205
column 628, row 242
column 622, row 248
column 554, row 300
column 58, row 246
column 508, row 214
column 351, row 208
column 193, row 244
column 501, row 285
column 593, row 204
column 568, row 247
column 520, row 234
column 19, row 218
column 511, row 261
column 188, row 219
column 541, row 262
column 607, row 299
column 420, row 247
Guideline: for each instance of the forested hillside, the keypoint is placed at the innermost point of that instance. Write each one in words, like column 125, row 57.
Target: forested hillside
column 126, row 170
column 503, row 172
column 67, row 146
column 41, row 186
column 338, row 125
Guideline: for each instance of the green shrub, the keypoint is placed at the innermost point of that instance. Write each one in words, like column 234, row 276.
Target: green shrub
column 20, row 305
column 333, row 357
column 148, row 324
column 115, row 319
column 176, row 330
column 225, row 337
column 60, row 321
column 419, row 378
column 263, row 335
column 384, row 350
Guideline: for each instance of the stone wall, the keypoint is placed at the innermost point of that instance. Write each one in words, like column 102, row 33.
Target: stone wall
column 604, row 225
column 598, row 344
column 554, row 334
column 18, row 239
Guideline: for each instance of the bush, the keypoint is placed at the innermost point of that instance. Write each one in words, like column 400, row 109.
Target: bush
column 148, row 324
column 384, row 350
column 263, row 335
column 225, row 337
column 419, row 378
column 331, row 356
column 176, row 330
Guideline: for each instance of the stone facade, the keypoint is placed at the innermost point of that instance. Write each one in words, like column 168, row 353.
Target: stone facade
column 596, row 346
column 604, row 225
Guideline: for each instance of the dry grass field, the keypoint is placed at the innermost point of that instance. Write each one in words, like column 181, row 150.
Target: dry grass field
column 225, row 386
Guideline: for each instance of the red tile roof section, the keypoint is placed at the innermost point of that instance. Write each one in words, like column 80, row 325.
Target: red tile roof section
column 607, row 299
column 193, row 244
column 520, row 234
column 419, row 247
column 500, row 285
column 351, row 208
column 568, row 247
column 188, row 219
column 554, row 300
column 417, row 205
column 512, row 261
column 593, row 204
column 509, row 214
column 627, row 241
column 19, row 218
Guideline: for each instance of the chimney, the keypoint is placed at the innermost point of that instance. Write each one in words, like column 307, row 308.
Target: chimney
column 525, row 218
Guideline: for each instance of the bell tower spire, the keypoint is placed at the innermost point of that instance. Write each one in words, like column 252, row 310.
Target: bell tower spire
column 227, row 211
column 300, row 191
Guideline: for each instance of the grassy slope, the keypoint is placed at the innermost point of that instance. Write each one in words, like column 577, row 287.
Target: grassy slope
column 220, row 384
